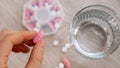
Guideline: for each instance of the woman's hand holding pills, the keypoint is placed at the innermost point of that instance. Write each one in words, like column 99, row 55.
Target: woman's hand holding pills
column 20, row 42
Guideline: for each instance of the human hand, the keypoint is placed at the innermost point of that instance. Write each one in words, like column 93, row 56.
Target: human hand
column 19, row 42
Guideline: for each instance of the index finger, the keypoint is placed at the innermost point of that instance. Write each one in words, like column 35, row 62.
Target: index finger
column 7, row 44
column 21, row 36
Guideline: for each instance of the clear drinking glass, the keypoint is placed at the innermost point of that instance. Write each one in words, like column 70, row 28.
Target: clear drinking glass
column 95, row 31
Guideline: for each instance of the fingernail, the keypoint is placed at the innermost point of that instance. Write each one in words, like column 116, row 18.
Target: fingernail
column 38, row 37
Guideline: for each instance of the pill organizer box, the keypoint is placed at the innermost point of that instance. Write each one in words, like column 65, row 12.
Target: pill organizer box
column 45, row 15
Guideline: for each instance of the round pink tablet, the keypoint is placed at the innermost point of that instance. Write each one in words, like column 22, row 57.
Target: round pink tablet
column 38, row 37
column 66, row 63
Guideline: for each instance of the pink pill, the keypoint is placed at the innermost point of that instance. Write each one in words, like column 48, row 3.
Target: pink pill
column 57, row 19
column 38, row 37
column 31, row 26
column 49, row 1
column 27, row 18
column 39, row 3
column 56, row 8
column 54, row 21
column 36, row 3
column 28, row 14
column 53, row 24
column 66, row 63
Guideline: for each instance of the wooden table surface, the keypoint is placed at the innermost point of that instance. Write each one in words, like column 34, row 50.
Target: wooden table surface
column 11, row 12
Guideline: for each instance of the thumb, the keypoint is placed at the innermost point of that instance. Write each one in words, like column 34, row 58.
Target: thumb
column 36, row 57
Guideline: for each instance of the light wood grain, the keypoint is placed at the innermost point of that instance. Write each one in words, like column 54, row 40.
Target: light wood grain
column 11, row 12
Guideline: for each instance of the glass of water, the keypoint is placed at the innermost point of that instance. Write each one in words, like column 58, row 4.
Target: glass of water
column 95, row 31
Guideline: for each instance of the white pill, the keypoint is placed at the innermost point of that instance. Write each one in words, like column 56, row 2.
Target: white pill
column 57, row 25
column 56, row 67
column 61, row 65
column 64, row 49
column 46, row 4
column 55, row 43
column 35, row 7
column 67, row 45
column 35, row 29
column 59, row 13
column 53, row 13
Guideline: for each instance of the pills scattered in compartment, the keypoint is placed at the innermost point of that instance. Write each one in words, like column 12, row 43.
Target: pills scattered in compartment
column 56, row 22
column 36, row 3
column 28, row 14
column 31, row 24
column 47, row 13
